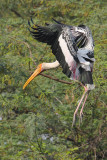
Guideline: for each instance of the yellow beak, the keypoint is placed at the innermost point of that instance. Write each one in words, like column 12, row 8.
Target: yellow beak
column 36, row 72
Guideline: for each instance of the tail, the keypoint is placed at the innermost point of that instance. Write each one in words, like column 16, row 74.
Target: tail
column 85, row 76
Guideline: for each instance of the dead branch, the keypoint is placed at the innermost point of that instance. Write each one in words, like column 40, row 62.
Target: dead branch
column 55, row 79
column 16, row 13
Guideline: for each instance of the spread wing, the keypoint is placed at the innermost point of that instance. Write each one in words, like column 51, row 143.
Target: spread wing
column 65, row 50
column 64, row 41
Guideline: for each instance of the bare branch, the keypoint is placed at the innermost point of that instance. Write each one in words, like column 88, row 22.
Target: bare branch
column 55, row 79
column 30, row 52
column 15, row 12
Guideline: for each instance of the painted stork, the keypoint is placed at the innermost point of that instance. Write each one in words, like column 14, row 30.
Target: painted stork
column 73, row 48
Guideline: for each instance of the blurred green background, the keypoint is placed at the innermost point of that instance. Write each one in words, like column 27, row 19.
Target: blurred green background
column 36, row 123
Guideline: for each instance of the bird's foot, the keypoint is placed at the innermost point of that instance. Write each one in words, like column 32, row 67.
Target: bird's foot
column 75, row 113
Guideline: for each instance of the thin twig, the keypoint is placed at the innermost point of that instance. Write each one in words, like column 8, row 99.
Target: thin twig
column 58, row 100
column 15, row 12
column 30, row 52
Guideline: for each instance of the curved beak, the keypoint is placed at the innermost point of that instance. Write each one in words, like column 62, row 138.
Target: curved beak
column 36, row 72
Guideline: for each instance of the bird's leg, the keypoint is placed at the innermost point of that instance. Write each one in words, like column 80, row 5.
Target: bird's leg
column 75, row 113
column 81, row 112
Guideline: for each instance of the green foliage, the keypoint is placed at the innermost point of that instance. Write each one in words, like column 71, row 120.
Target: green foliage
column 36, row 123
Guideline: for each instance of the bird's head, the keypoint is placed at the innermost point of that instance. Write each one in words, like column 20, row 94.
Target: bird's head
column 85, row 29
column 35, row 73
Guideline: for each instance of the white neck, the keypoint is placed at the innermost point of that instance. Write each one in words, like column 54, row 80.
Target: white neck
column 46, row 66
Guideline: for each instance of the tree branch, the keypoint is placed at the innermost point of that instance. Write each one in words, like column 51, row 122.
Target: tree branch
column 55, row 79
column 15, row 12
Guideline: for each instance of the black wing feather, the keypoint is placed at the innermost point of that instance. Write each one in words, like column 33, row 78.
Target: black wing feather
column 50, row 35
column 43, row 34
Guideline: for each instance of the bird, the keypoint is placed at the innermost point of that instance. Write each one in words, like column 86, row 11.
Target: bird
column 73, row 47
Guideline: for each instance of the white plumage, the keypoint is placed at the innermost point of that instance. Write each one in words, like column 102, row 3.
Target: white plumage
column 65, row 50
